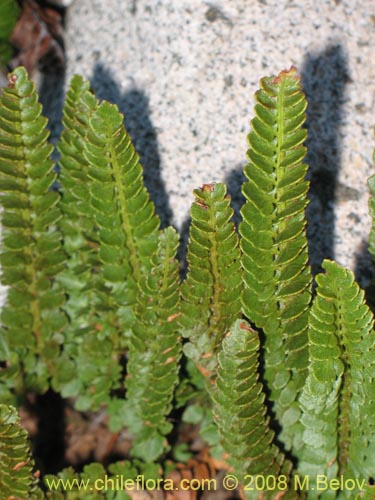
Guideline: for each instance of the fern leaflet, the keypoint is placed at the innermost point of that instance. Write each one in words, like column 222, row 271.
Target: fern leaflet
column 211, row 291
column 276, row 274
column 16, row 463
column 154, row 352
column 240, row 411
column 32, row 319
column 338, row 399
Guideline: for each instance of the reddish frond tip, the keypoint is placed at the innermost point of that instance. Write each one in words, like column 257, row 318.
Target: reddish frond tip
column 286, row 73
column 208, row 187
column 11, row 80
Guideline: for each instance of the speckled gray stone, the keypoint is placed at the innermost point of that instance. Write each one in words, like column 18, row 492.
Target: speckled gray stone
column 184, row 74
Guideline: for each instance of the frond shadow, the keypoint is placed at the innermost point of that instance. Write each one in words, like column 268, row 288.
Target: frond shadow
column 325, row 76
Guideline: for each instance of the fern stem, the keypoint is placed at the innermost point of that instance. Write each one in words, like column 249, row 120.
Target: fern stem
column 216, row 287
column 344, row 399
column 126, row 224
column 344, row 422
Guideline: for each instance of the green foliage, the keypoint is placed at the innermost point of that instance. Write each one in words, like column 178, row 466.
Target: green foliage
column 95, row 308
column 9, row 12
column 89, row 306
column 367, row 494
column 154, row 352
column 211, row 291
column 16, row 463
column 277, row 277
column 32, row 318
column 338, row 399
column 210, row 294
column 240, row 410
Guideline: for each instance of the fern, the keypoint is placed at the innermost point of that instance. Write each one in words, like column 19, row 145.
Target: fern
column 78, row 228
column 240, row 411
column 155, row 353
column 89, row 350
column 138, row 279
column 16, row 464
column 9, row 12
column 338, row 399
column 276, row 275
column 125, row 217
column 211, row 291
column 32, row 319
column 94, row 293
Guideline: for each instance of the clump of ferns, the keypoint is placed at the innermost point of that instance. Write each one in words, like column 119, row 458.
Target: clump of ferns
column 94, row 280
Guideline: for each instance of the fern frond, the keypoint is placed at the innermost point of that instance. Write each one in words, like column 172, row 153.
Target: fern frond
column 127, row 224
column 114, row 227
column 240, row 411
column 118, row 243
column 211, row 291
column 338, row 399
column 155, row 351
column 32, row 319
column 77, row 226
column 276, row 274
column 88, row 368
column 16, row 464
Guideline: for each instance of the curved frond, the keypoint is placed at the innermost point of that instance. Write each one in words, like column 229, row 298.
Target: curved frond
column 211, row 292
column 240, row 411
column 338, row 400
column 88, row 368
column 111, row 235
column 128, row 227
column 32, row 256
column 155, row 352
column 16, row 464
column 275, row 260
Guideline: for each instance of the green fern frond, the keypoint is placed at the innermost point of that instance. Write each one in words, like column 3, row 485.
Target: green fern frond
column 77, row 227
column 155, row 351
column 338, row 399
column 32, row 319
column 276, row 274
column 16, row 464
column 88, row 368
column 112, row 234
column 212, row 289
column 128, row 227
column 9, row 12
column 240, row 411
